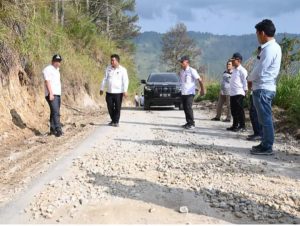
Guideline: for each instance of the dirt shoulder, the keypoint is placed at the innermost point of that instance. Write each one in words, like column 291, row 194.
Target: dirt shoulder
column 24, row 156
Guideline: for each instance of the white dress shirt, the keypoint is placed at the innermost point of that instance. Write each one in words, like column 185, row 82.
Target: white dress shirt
column 51, row 74
column 188, row 79
column 238, row 81
column 266, row 70
column 116, row 80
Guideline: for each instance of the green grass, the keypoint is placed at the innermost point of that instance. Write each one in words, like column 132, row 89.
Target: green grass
column 288, row 96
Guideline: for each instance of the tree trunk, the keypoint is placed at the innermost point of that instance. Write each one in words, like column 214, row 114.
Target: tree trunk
column 56, row 11
column 107, row 20
column 62, row 13
column 87, row 5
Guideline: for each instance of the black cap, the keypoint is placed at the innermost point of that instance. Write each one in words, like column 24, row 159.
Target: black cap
column 237, row 56
column 183, row 58
column 57, row 58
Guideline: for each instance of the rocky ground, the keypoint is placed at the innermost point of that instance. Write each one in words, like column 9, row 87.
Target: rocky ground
column 150, row 170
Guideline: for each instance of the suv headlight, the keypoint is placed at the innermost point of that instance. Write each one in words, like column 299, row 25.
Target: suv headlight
column 148, row 88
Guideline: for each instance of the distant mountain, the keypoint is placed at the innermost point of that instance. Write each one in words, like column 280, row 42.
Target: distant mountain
column 216, row 49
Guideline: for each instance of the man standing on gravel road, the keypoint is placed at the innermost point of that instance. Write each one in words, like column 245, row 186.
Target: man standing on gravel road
column 52, row 94
column 116, row 80
column 188, row 77
column 263, row 79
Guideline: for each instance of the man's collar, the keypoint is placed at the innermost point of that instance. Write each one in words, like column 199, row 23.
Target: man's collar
column 268, row 43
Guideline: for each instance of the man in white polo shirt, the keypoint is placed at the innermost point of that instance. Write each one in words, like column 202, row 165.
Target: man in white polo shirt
column 116, row 80
column 263, row 78
column 53, row 92
column 238, row 90
column 188, row 77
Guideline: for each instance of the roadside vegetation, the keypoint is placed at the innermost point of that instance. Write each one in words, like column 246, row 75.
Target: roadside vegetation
column 38, row 29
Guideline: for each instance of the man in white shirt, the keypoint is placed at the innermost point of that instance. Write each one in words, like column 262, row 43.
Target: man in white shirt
column 116, row 80
column 224, row 96
column 188, row 77
column 263, row 78
column 238, row 90
column 51, row 77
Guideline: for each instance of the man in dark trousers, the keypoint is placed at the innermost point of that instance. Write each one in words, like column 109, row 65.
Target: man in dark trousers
column 257, row 130
column 238, row 90
column 116, row 80
column 53, row 92
column 188, row 77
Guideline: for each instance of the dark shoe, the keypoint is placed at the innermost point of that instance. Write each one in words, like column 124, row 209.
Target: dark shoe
column 190, row 127
column 253, row 137
column 215, row 119
column 257, row 147
column 226, row 120
column 262, row 151
column 115, row 124
column 52, row 132
column 111, row 123
column 58, row 133
column 233, row 129
column 183, row 126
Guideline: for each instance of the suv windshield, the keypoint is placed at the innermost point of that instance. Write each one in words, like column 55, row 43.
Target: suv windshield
column 163, row 78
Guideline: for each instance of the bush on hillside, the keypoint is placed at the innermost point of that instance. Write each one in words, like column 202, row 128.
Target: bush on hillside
column 288, row 96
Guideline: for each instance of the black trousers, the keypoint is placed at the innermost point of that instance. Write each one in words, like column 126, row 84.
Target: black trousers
column 54, row 105
column 254, row 118
column 114, row 103
column 187, row 102
column 237, row 110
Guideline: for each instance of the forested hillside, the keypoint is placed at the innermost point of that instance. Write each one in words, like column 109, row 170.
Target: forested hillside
column 215, row 50
column 85, row 33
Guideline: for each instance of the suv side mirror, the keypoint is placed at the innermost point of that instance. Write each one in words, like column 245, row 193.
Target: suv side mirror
column 143, row 81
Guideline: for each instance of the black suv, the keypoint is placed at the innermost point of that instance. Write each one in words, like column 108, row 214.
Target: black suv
column 162, row 89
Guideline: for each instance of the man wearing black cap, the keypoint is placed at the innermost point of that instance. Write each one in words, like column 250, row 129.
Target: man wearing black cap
column 53, row 92
column 238, row 90
column 188, row 78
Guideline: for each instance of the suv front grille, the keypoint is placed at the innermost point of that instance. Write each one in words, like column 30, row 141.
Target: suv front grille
column 164, row 90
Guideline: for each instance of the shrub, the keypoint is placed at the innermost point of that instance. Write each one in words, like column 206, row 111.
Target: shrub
column 288, row 96
column 212, row 92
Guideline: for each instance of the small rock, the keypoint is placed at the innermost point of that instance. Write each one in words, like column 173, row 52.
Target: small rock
column 151, row 210
column 238, row 214
column 223, row 205
column 256, row 217
column 183, row 209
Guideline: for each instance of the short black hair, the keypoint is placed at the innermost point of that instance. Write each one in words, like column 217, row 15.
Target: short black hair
column 267, row 27
column 115, row 56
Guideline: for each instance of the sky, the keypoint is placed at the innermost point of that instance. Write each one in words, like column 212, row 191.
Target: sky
column 230, row 17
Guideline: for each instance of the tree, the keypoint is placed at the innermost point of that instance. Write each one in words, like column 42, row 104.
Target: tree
column 176, row 43
column 290, row 53
column 115, row 18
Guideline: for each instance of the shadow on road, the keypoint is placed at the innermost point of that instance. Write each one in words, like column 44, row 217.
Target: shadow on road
column 173, row 198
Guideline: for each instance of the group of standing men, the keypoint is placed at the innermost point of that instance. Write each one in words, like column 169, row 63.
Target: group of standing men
column 262, row 84
column 262, row 81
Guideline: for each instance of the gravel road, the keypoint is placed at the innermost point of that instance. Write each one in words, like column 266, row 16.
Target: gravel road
column 150, row 170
